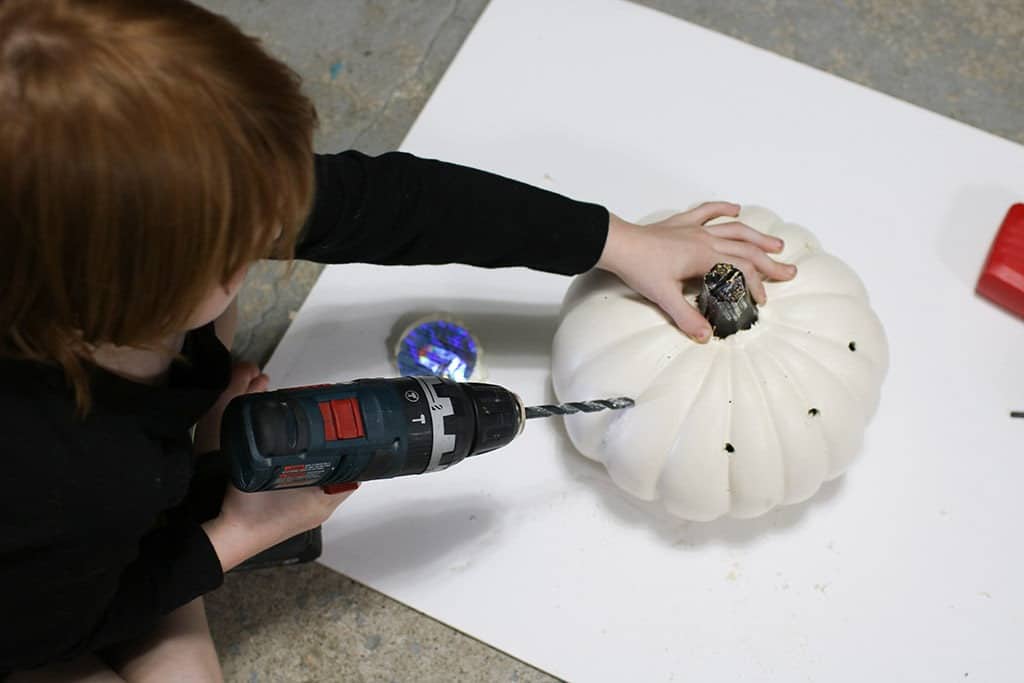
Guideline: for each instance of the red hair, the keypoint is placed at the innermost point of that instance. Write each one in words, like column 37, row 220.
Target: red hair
column 148, row 151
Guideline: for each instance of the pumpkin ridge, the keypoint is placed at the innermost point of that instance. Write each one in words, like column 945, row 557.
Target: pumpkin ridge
column 756, row 373
column 610, row 346
column 679, row 429
column 728, row 430
column 844, row 343
column 857, row 399
column 591, row 284
column 677, row 351
column 824, row 295
column 766, row 360
column 804, row 255
column 790, row 296
column 798, row 388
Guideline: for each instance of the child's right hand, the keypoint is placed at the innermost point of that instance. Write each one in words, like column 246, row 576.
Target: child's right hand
column 252, row 522
column 249, row 523
column 657, row 259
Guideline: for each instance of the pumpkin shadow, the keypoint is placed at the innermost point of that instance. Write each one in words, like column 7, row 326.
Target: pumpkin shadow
column 652, row 515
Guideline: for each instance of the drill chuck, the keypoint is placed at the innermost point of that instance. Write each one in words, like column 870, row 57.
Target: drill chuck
column 363, row 430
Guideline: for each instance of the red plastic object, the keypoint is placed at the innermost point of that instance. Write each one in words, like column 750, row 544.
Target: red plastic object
column 1002, row 278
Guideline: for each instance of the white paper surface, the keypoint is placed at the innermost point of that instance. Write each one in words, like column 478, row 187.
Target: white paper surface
column 907, row 569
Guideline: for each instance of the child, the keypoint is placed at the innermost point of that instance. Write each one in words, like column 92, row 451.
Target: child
column 149, row 153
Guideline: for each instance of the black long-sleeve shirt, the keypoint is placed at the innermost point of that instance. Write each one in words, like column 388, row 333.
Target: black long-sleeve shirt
column 94, row 545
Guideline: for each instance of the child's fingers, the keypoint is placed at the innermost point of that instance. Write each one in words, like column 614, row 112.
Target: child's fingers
column 764, row 264
column 711, row 210
column 745, row 233
column 245, row 369
column 259, row 384
column 685, row 316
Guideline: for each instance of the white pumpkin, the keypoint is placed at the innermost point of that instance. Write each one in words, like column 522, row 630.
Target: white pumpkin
column 739, row 425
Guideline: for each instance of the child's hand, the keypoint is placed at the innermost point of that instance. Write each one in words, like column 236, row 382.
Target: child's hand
column 246, row 378
column 252, row 522
column 655, row 259
column 249, row 523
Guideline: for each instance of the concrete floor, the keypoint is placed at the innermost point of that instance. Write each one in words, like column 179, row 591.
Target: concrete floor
column 370, row 66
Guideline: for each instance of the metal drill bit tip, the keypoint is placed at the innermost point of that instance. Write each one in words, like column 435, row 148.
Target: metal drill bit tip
column 579, row 407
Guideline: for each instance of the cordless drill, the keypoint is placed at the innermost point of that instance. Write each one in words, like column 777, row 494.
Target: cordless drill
column 331, row 435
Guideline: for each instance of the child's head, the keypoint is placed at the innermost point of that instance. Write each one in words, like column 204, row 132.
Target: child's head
column 149, row 152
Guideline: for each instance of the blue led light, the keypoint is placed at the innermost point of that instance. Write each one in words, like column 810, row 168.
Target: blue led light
column 438, row 347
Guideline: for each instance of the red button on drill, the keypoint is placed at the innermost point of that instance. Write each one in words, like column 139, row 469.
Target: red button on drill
column 347, row 418
column 342, row 419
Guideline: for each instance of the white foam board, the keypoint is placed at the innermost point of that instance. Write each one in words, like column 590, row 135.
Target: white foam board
column 908, row 568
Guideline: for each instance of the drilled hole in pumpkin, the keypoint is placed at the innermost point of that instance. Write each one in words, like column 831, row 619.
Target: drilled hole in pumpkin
column 729, row 448
column 813, row 412
column 852, row 345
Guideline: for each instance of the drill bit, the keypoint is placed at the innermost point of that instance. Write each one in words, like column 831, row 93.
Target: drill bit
column 579, row 407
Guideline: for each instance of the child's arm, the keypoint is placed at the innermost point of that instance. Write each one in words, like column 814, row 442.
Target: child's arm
column 73, row 584
column 655, row 259
column 400, row 209
column 81, row 589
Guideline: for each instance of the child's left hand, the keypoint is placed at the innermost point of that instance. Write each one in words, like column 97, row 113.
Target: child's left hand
column 655, row 259
column 246, row 378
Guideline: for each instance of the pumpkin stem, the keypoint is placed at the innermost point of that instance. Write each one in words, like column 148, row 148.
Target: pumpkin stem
column 725, row 301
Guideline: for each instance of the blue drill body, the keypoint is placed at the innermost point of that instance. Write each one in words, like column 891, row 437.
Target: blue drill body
column 331, row 435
